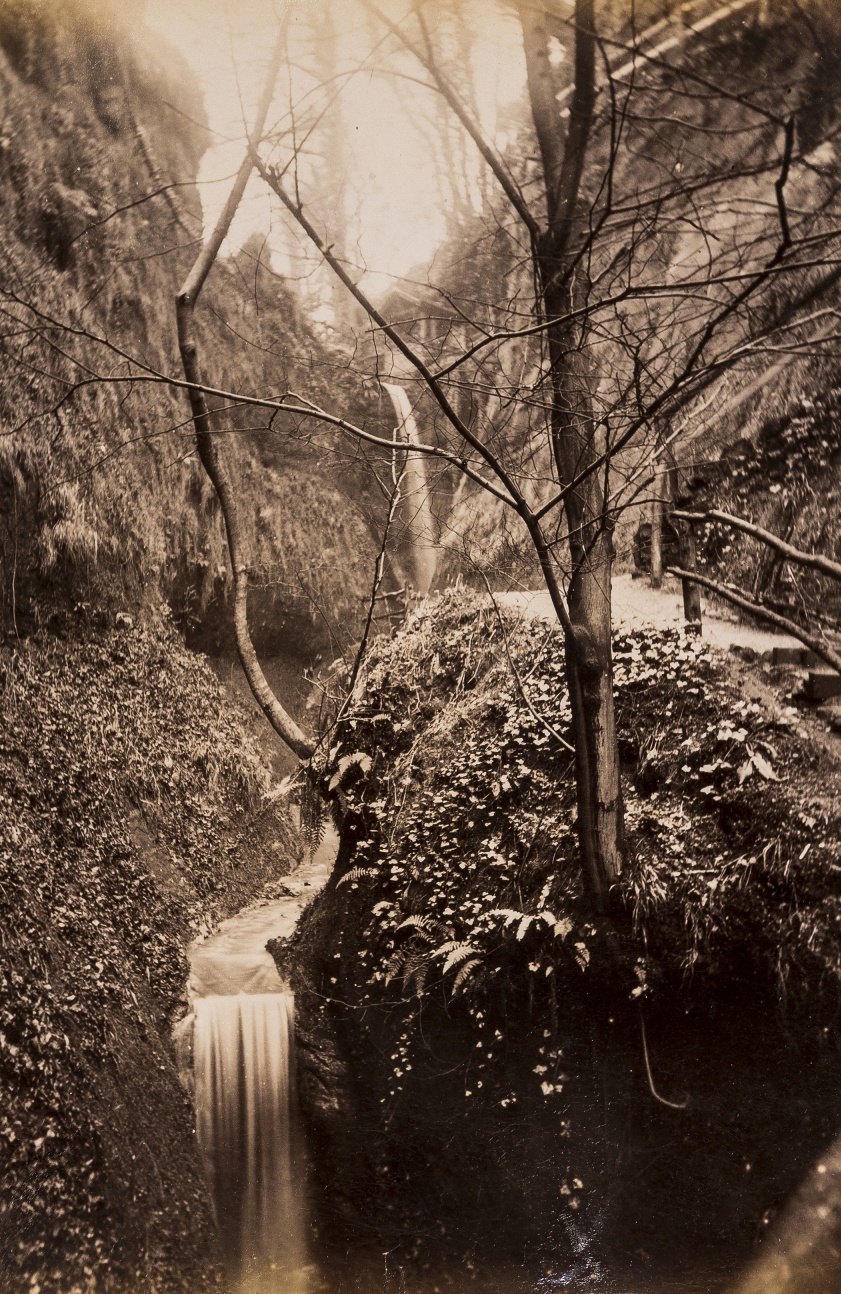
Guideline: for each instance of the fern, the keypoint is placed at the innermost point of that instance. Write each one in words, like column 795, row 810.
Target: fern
column 396, row 963
column 459, row 955
column 416, row 971
column 510, row 915
column 357, row 759
column 357, row 874
column 421, row 925
column 523, row 926
column 466, row 972
column 524, row 919
column 313, row 815
column 455, row 951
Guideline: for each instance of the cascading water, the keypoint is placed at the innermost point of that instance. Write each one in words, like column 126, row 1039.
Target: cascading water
column 415, row 490
column 245, row 1120
column 243, row 1077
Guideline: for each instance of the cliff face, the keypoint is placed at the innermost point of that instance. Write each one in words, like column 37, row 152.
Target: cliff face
column 133, row 804
column 133, row 812
column 102, row 499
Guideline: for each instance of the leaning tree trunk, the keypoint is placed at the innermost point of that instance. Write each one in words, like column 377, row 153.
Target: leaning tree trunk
column 575, row 440
column 206, row 441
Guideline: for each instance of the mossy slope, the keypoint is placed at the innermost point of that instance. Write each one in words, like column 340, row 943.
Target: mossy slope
column 133, row 812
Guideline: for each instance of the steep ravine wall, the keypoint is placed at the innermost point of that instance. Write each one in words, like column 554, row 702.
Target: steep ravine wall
column 134, row 812
column 101, row 498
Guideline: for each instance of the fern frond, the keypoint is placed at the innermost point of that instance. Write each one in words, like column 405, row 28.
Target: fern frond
column 356, row 874
column 396, row 963
column 416, row 972
column 510, row 914
column 421, row 925
column 447, row 947
column 458, row 955
column 466, row 972
column 313, row 816
column 357, row 759
column 523, row 926
column 455, row 951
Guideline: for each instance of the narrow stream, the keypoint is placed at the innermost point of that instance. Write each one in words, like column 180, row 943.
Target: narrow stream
column 243, row 1043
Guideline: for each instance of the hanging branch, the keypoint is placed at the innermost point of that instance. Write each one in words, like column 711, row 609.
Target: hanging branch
column 273, row 178
column 763, row 613
column 185, row 307
column 815, row 561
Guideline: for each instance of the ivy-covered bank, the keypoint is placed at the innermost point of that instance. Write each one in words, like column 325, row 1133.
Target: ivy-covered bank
column 487, row 1067
column 787, row 480
column 134, row 811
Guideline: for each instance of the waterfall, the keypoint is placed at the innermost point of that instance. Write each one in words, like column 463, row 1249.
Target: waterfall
column 243, row 1048
column 240, row 1038
column 417, row 506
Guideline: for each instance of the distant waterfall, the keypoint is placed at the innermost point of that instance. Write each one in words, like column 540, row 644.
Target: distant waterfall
column 245, row 1121
column 417, row 507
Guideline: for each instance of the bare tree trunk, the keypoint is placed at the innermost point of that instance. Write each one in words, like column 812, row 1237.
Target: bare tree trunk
column 575, row 445
column 691, row 592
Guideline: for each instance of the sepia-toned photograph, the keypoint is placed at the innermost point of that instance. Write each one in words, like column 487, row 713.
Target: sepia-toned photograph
column 420, row 647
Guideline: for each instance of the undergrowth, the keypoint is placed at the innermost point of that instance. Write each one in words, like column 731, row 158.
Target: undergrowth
column 133, row 814
column 452, row 762
column 456, row 954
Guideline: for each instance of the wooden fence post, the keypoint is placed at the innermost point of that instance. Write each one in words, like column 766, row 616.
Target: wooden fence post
column 691, row 591
column 655, row 560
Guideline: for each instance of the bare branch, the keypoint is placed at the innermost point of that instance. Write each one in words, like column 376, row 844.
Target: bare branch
column 816, row 561
column 270, row 175
column 762, row 613
column 506, row 183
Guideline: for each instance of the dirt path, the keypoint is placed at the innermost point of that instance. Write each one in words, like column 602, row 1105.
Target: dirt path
column 636, row 604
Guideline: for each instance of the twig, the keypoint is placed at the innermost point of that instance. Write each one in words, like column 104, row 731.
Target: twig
column 672, row 1105
column 379, row 568
column 553, row 732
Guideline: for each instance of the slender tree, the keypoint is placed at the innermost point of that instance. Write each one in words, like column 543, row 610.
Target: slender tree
column 578, row 445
